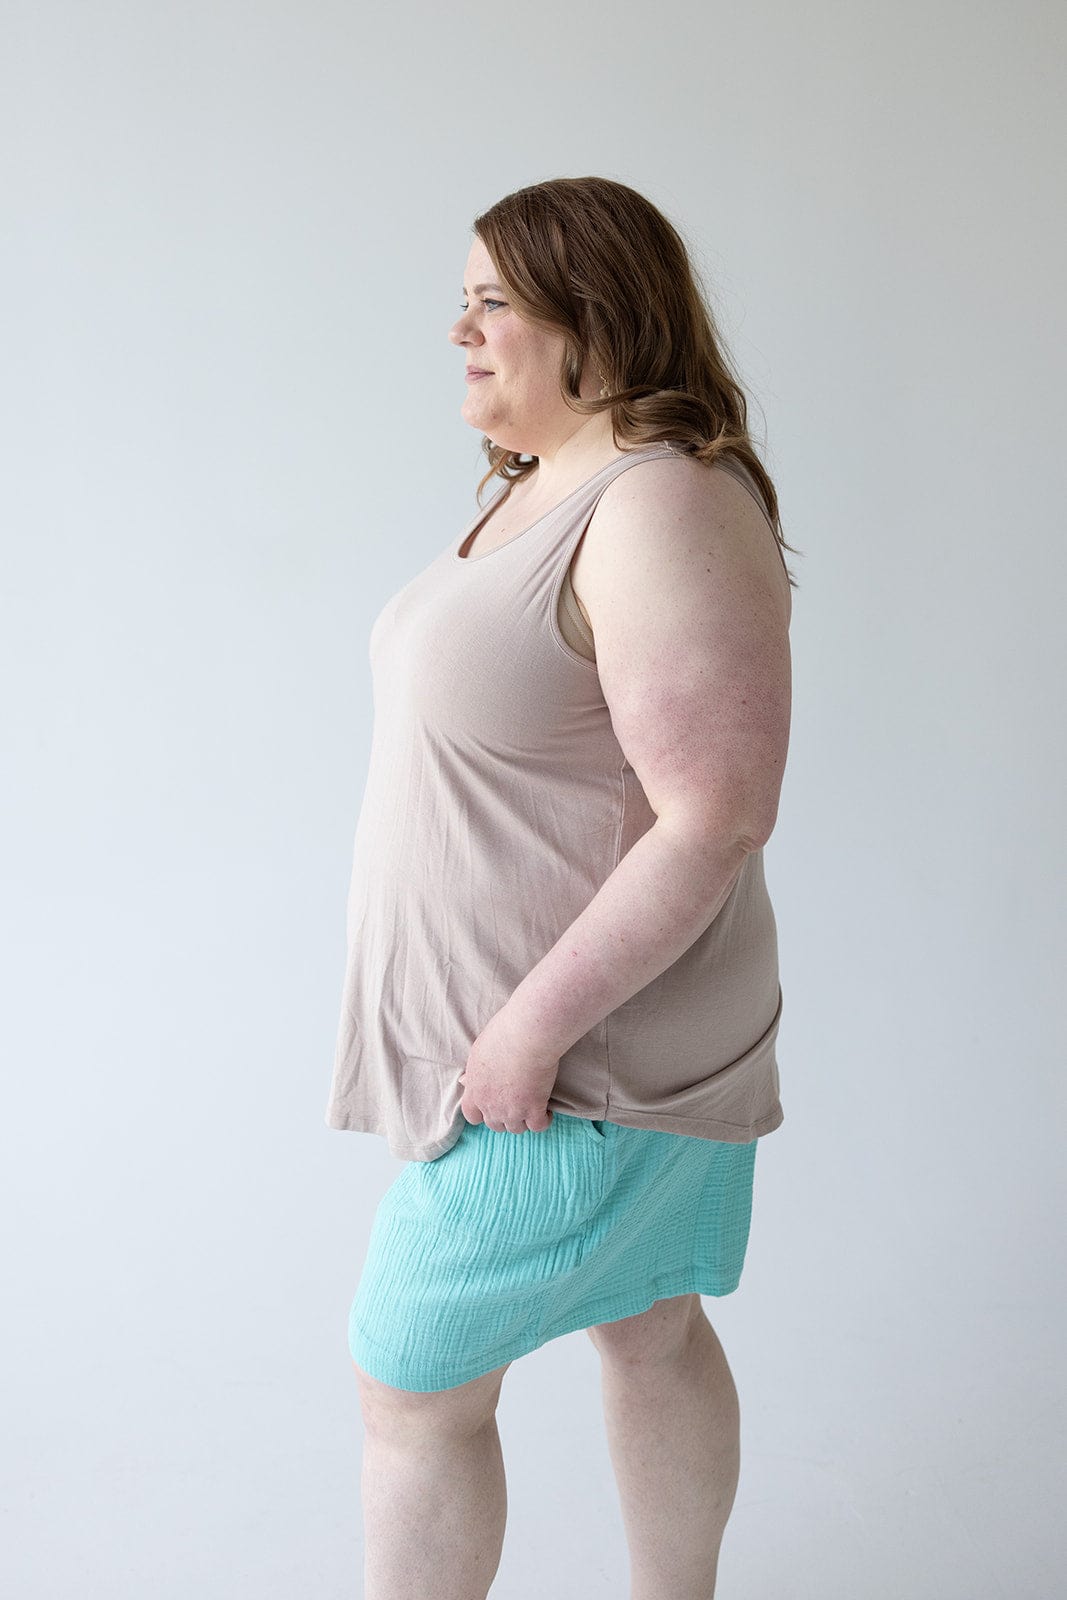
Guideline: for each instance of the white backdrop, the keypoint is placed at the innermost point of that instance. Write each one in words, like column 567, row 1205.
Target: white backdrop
column 234, row 245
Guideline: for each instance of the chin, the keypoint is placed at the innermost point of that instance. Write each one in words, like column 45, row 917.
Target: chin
column 499, row 436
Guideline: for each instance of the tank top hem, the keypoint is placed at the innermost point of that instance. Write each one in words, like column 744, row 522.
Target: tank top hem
column 625, row 1117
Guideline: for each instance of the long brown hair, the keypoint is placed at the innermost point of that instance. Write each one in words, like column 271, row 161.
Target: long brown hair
column 598, row 263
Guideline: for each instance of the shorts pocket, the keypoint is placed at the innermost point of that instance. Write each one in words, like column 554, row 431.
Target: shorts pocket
column 515, row 1191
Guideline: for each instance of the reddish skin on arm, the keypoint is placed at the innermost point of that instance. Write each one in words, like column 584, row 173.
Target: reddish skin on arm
column 690, row 606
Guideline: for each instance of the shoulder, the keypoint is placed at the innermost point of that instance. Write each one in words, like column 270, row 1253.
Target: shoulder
column 662, row 514
column 669, row 487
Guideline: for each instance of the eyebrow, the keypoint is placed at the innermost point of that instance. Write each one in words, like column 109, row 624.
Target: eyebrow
column 480, row 288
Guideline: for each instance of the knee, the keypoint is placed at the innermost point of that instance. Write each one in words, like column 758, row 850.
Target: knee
column 659, row 1334
column 388, row 1411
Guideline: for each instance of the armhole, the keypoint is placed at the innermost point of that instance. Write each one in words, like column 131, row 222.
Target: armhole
column 573, row 626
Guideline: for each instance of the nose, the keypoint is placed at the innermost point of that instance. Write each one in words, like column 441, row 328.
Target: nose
column 459, row 333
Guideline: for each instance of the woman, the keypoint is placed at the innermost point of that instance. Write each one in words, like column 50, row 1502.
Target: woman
column 561, row 999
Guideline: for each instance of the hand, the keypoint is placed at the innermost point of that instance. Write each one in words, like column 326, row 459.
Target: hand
column 505, row 1085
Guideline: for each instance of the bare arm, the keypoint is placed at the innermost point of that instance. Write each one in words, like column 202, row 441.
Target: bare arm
column 689, row 603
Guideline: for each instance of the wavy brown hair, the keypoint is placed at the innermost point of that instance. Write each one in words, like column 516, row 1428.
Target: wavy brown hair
column 595, row 261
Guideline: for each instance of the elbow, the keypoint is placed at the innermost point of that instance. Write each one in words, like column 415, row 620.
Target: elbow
column 735, row 818
column 703, row 829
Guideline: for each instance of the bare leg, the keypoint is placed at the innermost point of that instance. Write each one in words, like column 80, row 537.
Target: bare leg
column 673, row 1428
column 434, row 1490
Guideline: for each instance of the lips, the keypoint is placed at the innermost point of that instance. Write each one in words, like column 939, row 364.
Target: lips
column 478, row 372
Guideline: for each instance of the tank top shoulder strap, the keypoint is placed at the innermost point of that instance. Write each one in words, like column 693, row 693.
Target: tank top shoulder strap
column 573, row 514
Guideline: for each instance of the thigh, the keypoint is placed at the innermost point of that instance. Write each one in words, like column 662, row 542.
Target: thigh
column 469, row 1253
column 651, row 1334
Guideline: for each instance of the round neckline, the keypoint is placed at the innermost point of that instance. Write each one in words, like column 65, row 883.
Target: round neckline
column 471, row 533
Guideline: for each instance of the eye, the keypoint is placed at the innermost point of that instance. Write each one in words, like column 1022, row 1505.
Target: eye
column 463, row 303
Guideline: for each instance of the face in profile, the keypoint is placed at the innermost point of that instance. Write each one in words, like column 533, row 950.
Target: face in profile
column 518, row 404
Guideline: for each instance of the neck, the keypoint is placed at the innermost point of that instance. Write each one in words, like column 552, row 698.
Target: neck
column 565, row 464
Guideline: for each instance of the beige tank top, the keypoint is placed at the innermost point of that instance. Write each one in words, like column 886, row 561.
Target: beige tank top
column 497, row 802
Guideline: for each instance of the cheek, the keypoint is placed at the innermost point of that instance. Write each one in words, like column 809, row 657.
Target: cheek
column 512, row 347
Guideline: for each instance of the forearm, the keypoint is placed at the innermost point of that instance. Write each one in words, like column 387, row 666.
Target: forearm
column 665, row 891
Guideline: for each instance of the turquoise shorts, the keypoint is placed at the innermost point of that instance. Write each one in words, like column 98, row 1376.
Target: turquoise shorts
column 509, row 1240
